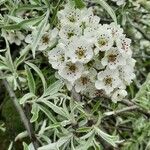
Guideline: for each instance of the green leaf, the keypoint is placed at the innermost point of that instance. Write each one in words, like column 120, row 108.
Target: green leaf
column 29, row 7
column 39, row 34
column 56, row 145
column 25, row 24
column 55, row 108
column 79, row 4
column 31, row 82
column 108, row 9
column 143, row 95
column 25, row 146
column 84, row 129
column 53, row 88
column 47, row 113
column 21, row 135
column 27, row 97
column 96, row 106
column 15, row 19
column 10, row 146
column 113, row 140
column 35, row 113
column 3, row 66
column 22, row 56
column 39, row 72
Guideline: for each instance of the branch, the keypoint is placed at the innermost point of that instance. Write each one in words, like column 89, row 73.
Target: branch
column 131, row 103
column 130, row 108
column 20, row 111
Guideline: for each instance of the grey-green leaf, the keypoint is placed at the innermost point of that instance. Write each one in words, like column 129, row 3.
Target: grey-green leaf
column 31, row 82
column 39, row 72
column 108, row 9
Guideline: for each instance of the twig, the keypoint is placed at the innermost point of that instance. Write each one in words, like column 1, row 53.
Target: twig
column 130, row 108
column 131, row 103
column 20, row 111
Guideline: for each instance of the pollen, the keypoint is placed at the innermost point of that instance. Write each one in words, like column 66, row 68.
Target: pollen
column 45, row 39
column 108, row 81
column 112, row 57
column 102, row 42
column 80, row 52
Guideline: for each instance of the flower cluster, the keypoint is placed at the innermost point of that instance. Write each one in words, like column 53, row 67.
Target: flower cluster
column 92, row 58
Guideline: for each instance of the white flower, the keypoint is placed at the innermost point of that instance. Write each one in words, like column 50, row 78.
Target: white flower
column 108, row 80
column 88, row 19
column 116, row 30
column 92, row 92
column 68, row 32
column 80, row 50
column 57, row 56
column 15, row 37
column 71, row 71
column 85, row 80
column 48, row 39
column 119, row 2
column 69, row 15
column 118, row 95
column 104, row 39
column 113, row 58
column 127, row 71
column 123, row 45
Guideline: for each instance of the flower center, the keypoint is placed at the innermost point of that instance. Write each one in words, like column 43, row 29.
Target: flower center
column 84, row 80
column 102, row 42
column 72, row 68
column 70, row 34
column 72, row 19
column 62, row 58
column 80, row 52
column 16, row 37
column 112, row 57
column 108, row 81
column 45, row 39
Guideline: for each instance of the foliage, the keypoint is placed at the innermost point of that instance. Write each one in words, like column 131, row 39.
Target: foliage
column 56, row 118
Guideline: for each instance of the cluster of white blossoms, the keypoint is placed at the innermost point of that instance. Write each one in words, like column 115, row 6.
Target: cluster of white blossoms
column 92, row 58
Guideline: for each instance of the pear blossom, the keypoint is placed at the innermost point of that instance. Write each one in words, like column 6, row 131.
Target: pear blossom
column 57, row 56
column 104, row 40
column 48, row 39
column 127, row 72
column 69, row 15
column 80, row 50
column 85, row 80
column 118, row 95
column 67, row 32
column 93, row 92
column 116, row 30
column 15, row 37
column 88, row 18
column 113, row 59
column 123, row 45
column 108, row 80
column 119, row 2
column 71, row 71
